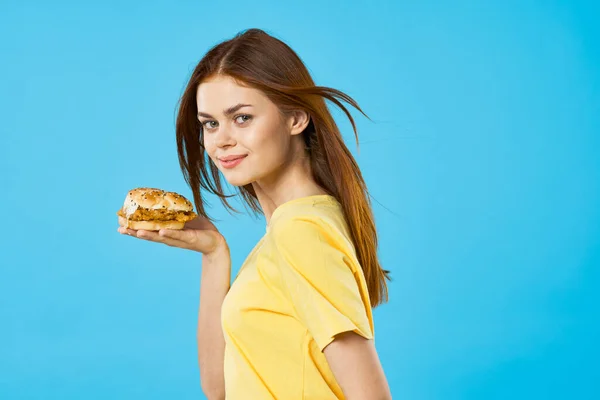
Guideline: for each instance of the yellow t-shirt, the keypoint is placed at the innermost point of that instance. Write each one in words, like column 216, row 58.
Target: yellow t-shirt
column 299, row 287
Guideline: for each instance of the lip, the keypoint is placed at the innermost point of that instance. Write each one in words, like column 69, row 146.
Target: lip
column 231, row 161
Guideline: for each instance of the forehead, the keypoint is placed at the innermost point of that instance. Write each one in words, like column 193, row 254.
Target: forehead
column 220, row 92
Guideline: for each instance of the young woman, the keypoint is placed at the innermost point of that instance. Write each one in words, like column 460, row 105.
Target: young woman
column 296, row 323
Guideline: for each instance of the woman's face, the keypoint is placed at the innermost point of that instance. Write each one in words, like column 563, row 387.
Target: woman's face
column 245, row 134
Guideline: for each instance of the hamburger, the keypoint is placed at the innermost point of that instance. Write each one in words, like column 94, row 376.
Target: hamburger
column 155, row 209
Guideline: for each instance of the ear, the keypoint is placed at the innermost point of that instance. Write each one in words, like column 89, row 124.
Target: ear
column 298, row 121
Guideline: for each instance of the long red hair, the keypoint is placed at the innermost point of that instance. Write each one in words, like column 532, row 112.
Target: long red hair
column 261, row 61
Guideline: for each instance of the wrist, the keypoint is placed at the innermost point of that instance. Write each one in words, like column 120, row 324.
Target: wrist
column 219, row 252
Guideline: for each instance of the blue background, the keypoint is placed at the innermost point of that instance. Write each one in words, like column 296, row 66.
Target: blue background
column 483, row 158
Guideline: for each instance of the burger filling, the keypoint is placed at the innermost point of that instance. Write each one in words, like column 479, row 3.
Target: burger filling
column 148, row 214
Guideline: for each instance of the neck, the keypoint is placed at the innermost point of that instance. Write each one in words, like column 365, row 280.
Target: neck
column 293, row 180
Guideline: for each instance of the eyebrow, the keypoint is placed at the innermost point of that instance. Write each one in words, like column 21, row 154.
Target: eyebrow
column 227, row 112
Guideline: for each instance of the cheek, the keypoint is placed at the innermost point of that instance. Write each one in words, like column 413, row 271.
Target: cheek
column 209, row 147
column 268, row 141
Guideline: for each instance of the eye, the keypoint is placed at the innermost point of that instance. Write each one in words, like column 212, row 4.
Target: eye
column 209, row 125
column 242, row 119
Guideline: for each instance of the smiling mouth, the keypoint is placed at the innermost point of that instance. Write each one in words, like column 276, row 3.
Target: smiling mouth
column 231, row 162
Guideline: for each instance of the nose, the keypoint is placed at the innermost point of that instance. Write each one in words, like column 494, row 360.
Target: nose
column 224, row 137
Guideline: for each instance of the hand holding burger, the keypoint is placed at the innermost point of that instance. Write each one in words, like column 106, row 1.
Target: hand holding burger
column 167, row 217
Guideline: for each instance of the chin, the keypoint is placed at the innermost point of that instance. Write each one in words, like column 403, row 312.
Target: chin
column 238, row 181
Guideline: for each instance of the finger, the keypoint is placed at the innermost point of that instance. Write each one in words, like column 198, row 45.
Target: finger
column 126, row 231
column 153, row 236
column 148, row 235
column 178, row 234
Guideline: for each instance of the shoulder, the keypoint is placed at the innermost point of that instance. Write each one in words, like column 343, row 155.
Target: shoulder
column 314, row 222
column 310, row 237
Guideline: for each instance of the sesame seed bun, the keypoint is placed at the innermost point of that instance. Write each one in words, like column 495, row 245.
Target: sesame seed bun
column 157, row 199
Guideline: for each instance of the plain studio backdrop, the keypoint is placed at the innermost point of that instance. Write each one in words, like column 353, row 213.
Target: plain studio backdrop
column 482, row 159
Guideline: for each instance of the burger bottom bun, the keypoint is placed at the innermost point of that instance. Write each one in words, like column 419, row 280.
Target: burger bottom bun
column 154, row 225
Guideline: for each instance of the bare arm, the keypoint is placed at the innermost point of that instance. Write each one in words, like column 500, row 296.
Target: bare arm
column 356, row 367
column 214, row 285
column 202, row 236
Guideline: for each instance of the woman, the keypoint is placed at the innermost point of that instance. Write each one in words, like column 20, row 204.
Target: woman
column 296, row 323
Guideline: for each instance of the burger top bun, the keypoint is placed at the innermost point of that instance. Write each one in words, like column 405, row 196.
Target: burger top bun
column 155, row 199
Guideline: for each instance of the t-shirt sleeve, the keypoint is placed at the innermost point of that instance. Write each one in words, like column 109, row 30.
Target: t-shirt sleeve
column 319, row 272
